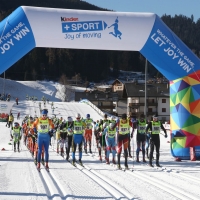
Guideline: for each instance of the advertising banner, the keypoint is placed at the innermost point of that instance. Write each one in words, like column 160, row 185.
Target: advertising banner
column 29, row 27
column 5, row 109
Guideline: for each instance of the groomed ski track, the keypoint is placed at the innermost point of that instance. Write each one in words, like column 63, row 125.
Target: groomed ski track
column 64, row 181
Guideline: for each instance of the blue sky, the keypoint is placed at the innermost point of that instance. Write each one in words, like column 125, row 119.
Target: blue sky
column 159, row 7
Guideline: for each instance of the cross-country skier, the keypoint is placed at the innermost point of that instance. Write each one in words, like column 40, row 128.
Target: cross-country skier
column 88, row 133
column 140, row 138
column 110, row 137
column 70, row 131
column 16, row 135
column 99, row 138
column 63, row 140
column 155, row 126
column 124, row 126
column 44, row 126
column 104, row 123
column 79, row 127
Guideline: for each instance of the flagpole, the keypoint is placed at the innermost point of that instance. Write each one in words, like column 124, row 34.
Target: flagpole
column 145, row 88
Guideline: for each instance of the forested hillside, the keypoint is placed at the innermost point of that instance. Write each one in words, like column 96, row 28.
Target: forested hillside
column 92, row 65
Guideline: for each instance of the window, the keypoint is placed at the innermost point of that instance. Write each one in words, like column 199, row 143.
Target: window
column 163, row 100
column 163, row 109
column 150, row 100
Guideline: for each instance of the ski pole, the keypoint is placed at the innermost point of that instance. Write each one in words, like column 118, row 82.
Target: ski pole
column 133, row 149
column 20, row 146
column 102, row 147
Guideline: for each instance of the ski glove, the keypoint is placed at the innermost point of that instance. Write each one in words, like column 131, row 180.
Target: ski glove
column 51, row 132
column 133, row 120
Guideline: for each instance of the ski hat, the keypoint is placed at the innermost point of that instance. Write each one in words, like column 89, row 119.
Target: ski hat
column 45, row 112
column 16, row 124
column 70, row 119
column 78, row 116
column 155, row 116
column 124, row 116
column 112, row 125
column 142, row 116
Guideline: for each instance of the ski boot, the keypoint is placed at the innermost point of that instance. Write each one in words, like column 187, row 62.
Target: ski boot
column 113, row 161
column 61, row 152
column 80, row 162
column 107, row 161
column 150, row 164
column 157, row 164
column 157, row 160
column 74, row 163
column 119, row 166
column 126, row 166
column 47, row 166
column 38, row 166
column 100, row 158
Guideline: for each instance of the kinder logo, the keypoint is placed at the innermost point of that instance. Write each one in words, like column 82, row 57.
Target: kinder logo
column 66, row 19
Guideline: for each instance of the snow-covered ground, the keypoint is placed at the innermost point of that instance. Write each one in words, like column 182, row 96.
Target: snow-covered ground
column 19, row 178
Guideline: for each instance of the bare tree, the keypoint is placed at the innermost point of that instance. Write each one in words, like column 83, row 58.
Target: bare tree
column 77, row 78
column 68, row 91
column 63, row 79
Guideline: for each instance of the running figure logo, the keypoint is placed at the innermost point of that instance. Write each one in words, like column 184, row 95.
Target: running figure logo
column 116, row 32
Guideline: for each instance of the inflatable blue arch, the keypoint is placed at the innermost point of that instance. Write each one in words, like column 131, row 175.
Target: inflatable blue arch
column 30, row 27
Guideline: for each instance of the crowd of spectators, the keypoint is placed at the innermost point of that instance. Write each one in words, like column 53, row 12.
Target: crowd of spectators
column 5, row 97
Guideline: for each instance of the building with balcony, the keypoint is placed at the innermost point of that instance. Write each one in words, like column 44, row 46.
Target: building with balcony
column 104, row 100
column 131, row 99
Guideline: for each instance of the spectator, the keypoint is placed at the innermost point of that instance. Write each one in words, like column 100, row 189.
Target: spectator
column 18, row 115
column 10, row 120
column 16, row 101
